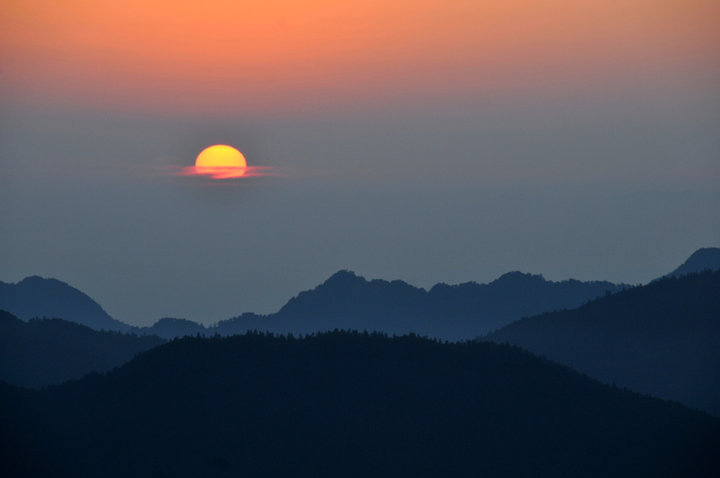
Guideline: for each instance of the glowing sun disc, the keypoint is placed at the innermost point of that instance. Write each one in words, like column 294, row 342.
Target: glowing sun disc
column 220, row 161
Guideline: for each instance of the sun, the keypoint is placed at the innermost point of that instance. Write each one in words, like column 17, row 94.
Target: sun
column 225, row 163
column 221, row 161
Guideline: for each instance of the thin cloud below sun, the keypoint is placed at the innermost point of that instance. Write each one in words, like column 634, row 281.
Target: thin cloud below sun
column 221, row 161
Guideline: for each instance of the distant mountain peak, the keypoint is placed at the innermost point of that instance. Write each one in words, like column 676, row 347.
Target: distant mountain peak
column 36, row 279
column 174, row 320
column 706, row 258
column 37, row 296
column 517, row 276
column 47, row 283
column 171, row 327
column 344, row 276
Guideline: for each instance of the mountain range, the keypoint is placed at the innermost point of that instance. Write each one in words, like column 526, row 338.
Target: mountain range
column 347, row 301
column 365, row 404
column 662, row 338
column 344, row 301
column 451, row 312
column 659, row 339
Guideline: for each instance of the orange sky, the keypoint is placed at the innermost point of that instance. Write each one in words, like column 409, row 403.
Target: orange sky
column 235, row 54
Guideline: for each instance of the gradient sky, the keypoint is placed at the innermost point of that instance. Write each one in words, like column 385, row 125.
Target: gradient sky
column 426, row 141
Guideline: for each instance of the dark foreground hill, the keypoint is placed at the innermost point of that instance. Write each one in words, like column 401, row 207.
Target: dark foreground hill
column 662, row 339
column 44, row 352
column 38, row 297
column 345, row 404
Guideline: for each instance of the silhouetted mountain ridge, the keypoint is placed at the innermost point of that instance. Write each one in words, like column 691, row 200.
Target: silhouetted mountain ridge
column 707, row 258
column 344, row 301
column 348, row 301
column 661, row 338
column 35, row 296
column 44, row 352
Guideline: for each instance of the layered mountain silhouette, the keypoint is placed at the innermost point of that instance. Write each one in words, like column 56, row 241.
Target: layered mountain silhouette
column 626, row 356
column 662, row 338
column 344, row 301
column 707, row 258
column 35, row 297
column 453, row 312
column 347, row 404
column 45, row 352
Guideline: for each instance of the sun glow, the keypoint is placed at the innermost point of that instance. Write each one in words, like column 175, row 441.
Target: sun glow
column 221, row 162
column 338, row 53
